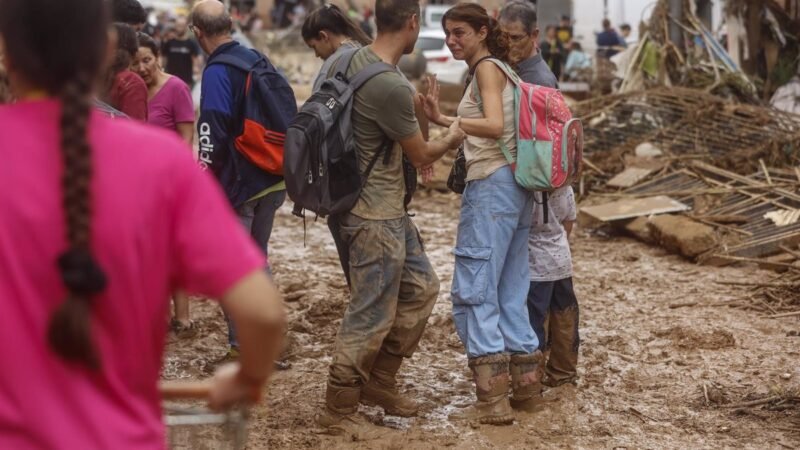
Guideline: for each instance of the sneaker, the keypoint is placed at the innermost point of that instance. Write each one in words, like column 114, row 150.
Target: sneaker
column 183, row 330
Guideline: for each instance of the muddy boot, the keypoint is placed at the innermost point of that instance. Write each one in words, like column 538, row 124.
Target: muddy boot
column 491, row 388
column 381, row 390
column 562, row 363
column 526, row 381
column 340, row 416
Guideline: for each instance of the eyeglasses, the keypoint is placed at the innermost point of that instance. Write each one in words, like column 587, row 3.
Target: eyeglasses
column 517, row 38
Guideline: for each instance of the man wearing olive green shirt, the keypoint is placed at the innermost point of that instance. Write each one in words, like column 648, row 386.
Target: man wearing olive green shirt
column 393, row 286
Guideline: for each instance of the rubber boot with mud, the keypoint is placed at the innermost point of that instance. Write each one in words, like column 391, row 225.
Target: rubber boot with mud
column 562, row 362
column 340, row 416
column 491, row 388
column 381, row 389
column 526, row 381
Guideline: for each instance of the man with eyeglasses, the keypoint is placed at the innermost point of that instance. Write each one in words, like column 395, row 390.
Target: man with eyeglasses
column 518, row 19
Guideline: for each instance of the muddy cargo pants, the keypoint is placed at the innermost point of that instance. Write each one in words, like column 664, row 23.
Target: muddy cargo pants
column 393, row 288
column 554, row 315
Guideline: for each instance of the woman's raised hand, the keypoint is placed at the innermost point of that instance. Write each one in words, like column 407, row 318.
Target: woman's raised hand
column 431, row 104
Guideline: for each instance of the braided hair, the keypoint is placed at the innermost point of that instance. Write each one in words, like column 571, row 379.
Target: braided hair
column 59, row 46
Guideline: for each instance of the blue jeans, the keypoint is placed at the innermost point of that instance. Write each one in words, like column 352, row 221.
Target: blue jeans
column 491, row 277
column 257, row 216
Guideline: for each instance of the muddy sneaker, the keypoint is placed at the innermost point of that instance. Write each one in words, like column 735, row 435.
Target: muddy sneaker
column 183, row 330
column 282, row 365
column 232, row 355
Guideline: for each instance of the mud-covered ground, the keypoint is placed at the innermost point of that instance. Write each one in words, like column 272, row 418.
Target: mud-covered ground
column 643, row 365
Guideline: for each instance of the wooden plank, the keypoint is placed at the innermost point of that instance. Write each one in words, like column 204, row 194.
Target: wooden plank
column 766, row 172
column 594, row 167
column 629, row 177
column 761, row 262
column 744, row 180
column 634, row 207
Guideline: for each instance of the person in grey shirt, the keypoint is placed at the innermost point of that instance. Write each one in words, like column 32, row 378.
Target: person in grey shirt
column 518, row 20
column 329, row 32
column 551, row 297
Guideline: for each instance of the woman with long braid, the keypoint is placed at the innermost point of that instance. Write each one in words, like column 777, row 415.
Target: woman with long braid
column 100, row 220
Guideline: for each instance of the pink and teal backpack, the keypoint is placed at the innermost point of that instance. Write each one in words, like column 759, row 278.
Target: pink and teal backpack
column 549, row 139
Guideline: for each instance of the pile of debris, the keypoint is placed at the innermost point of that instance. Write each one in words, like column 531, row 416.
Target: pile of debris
column 678, row 49
column 718, row 217
column 684, row 124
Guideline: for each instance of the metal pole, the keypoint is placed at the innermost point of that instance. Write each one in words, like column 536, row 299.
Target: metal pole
column 675, row 32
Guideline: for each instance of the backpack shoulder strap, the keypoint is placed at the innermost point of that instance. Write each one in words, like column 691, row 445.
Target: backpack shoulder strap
column 369, row 72
column 507, row 70
column 234, row 61
column 343, row 63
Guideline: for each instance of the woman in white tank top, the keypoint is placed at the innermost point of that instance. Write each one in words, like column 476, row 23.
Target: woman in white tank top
column 491, row 277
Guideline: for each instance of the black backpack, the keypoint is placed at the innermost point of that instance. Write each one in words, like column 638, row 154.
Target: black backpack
column 320, row 158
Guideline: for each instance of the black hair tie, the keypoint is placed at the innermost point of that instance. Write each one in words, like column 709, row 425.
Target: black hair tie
column 81, row 273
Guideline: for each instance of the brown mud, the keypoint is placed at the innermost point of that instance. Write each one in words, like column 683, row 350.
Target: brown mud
column 651, row 376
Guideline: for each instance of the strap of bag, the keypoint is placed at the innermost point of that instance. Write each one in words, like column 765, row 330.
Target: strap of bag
column 511, row 75
column 343, row 63
column 368, row 73
column 471, row 73
column 235, row 61
column 365, row 74
column 385, row 150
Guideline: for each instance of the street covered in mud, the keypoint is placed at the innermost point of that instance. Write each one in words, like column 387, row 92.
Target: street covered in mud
column 400, row 224
column 651, row 375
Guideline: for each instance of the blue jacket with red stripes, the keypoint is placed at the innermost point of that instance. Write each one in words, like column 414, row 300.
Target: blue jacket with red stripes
column 221, row 121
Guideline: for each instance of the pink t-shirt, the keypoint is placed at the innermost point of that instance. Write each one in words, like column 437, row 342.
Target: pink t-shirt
column 159, row 223
column 171, row 105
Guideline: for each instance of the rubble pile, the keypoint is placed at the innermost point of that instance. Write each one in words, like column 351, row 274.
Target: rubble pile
column 684, row 124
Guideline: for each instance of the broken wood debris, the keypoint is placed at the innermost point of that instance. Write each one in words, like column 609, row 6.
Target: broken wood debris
column 681, row 121
column 755, row 235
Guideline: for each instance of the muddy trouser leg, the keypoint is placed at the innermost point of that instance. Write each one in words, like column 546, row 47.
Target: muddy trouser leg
column 419, row 288
column 539, row 296
column 494, row 214
column 377, row 252
column 341, row 247
column 257, row 216
column 564, row 336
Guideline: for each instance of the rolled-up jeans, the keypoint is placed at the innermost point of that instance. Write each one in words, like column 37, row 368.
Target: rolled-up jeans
column 257, row 216
column 491, row 276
